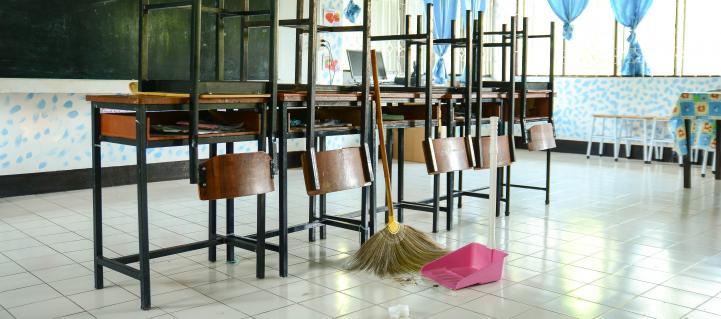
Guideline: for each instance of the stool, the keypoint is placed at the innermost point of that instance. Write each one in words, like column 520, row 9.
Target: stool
column 658, row 142
column 602, row 136
column 627, row 126
column 704, row 162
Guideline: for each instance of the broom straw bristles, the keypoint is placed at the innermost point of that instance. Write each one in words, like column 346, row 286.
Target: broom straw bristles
column 394, row 254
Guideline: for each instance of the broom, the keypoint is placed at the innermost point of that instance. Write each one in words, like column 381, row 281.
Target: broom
column 397, row 249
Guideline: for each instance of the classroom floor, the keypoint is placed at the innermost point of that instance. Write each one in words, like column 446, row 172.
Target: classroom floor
column 620, row 240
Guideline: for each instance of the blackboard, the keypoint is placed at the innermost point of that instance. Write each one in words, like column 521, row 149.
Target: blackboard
column 98, row 39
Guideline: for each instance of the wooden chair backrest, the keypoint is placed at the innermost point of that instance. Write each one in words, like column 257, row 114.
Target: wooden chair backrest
column 448, row 154
column 235, row 175
column 504, row 154
column 540, row 137
column 337, row 170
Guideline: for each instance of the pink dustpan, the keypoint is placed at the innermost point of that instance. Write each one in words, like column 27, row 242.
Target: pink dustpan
column 474, row 263
column 470, row 265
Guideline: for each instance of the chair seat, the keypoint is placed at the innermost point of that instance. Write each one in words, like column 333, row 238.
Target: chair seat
column 336, row 170
column 235, row 175
column 541, row 137
column 504, row 154
column 450, row 154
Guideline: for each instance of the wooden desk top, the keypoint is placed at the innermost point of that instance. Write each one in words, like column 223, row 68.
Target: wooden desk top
column 291, row 97
column 162, row 100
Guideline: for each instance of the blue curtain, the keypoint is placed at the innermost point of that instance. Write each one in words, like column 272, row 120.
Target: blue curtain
column 629, row 13
column 474, row 6
column 443, row 12
column 567, row 11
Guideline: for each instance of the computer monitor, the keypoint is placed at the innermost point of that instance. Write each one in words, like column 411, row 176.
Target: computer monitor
column 355, row 60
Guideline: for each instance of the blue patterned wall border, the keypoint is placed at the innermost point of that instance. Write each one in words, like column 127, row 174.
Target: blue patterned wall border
column 51, row 132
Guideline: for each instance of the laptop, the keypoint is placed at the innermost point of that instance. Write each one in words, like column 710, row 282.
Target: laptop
column 355, row 61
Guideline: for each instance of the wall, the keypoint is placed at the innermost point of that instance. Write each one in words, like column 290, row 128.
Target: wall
column 50, row 130
column 578, row 98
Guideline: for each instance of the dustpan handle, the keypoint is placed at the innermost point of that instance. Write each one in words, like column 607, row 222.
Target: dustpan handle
column 493, row 190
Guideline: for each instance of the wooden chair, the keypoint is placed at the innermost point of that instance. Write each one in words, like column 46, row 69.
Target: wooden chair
column 541, row 137
column 235, row 175
column 450, row 154
column 336, row 170
column 504, row 153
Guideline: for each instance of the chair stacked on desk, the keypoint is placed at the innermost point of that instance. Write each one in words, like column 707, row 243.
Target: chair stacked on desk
column 265, row 109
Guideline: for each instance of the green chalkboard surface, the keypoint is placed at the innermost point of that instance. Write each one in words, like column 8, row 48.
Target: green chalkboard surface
column 98, row 39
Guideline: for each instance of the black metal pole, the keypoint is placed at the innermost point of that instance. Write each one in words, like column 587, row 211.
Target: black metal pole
column 450, row 176
column 408, row 52
column 368, row 207
column 229, row 216
column 97, row 197
column 212, row 214
column 322, row 199
column 479, row 89
column 718, row 150
column 687, row 157
column 273, row 78
column 195, row 45
column 453, row 53
column 419, row 48
column 283, row 191
column 401, row 177
column 551, row 84
column 142, row 185
column 524, row 81
column 389, row 151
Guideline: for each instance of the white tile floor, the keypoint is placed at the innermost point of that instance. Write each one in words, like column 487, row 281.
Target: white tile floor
column 620, row 240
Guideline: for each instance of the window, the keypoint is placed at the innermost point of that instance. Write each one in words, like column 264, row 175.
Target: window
column 540, row 15
column 701, row 44
column 590, row 52
column 656, row 34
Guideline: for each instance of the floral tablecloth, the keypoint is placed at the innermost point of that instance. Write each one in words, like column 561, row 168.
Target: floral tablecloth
column 703, row 109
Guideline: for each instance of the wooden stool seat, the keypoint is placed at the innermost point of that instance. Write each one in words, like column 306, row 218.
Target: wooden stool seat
column 541, row 137
column 605, row 116
column 504, row 153
column 635, row 117
column 235, row 175
column 337, row 170
column 451, row 154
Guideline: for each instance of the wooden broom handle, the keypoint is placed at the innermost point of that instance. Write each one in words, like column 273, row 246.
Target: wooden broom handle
column 382, row 138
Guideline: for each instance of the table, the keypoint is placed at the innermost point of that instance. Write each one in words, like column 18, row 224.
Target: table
column 131, row 128
column 692, row 109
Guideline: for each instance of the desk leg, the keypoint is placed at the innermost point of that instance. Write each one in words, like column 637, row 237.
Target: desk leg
column 436, row 192
column 389, row 152
column 508, row 189
column 212, row 216
column 144, row 255
column 283, row 192
column 718, row 150
column 260, row 239
column 97, row 198
column 311, row 208
column 372, row 198
column 548, row 177
column 687, row 157
column 229, row 216
column 401, row 166
column 322, row 199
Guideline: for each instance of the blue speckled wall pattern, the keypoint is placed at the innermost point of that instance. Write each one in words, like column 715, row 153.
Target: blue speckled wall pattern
column 50, row 132
column 578, row 98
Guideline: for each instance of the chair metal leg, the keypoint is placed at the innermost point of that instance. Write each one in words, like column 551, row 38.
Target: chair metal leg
column 603, row 135
column 646, row 158
column 590, row 139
